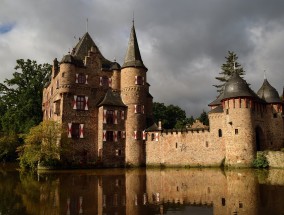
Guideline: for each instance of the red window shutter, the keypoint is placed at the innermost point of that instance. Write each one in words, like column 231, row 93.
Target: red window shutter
column 86, row 82
column 115, row 117
column 135, row 135
column 135, row 108
column 101, row 81
column 75, row 102
column 104, row 135
column 122, row 115
column 86, row 103
column 136, row 80
column 77, row 75
column 143, row 80
column 81, row 130
column 109, row 82
column 123, row 134
column 157, row 136
column 69, row 130
column 115, row 136
column 144, row 134
column 104, row 117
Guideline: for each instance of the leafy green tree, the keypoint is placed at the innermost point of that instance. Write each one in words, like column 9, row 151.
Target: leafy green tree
column 8, row 146
column 204, row 118
column 228, row 68
column 182, row 124
column 169, row 115
column 42, row 145
column 21, row 96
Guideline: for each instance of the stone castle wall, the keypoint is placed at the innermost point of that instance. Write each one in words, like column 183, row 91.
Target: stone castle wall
column 184, row 148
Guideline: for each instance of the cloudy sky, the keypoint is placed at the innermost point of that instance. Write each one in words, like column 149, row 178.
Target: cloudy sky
column 183, row 42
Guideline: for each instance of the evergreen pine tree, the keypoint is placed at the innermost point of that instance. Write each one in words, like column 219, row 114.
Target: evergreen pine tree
column 228, row 69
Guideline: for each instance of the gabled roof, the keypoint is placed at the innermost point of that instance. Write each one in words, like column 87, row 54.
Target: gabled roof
column 153, row 127
column 84, row 45
column 112, row 98
column 133, row 56
column 218, row 109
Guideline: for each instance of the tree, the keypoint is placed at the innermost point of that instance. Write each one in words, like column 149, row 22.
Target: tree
column 8, row 146
column 42, row 145
column 204, row 118
column 228, row 68
column 182, row 124
column 169, row 115
column 21, row 96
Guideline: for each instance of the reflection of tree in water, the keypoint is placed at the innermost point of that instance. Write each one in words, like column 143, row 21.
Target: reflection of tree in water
column 10, row 202
column 39, row 194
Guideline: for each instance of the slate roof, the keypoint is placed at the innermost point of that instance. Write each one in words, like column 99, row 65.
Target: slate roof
column 268, row 93
column 218, row 109
column 84, row 45
column 133, row 56
column 153, row 127
column 237, row 87
column 112, row 98
column 217, row 101
column 72, row 60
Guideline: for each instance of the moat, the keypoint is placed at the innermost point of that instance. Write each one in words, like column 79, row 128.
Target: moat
column 142, row 191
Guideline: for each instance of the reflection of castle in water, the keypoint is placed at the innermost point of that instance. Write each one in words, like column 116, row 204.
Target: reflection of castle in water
column 158, row 191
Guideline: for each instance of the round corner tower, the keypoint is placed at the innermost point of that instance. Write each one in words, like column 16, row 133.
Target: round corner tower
column 134, row 96
column 239, row 131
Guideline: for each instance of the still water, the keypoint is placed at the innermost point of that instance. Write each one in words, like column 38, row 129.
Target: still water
column 141, row 191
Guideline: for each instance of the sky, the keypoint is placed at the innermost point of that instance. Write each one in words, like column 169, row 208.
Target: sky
column 183, row 43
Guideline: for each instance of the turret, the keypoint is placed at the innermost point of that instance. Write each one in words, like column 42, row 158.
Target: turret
column 134, row 95
column 239, row 134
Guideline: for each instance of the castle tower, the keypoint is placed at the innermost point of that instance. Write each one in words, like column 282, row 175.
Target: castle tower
column 273, row 115
column 239, row 129
column 134, row 95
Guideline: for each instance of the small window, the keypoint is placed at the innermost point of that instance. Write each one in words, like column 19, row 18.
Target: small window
column 176, row 145
column 81, row 78
column 119, row 135
column 139, row 108
column 138, row 80
column 109, row 117
column 109, row 136
column 153, row 137
column 80, row 102
column 207, row 144
column 236, row 131
column 75, row 131
column 227, row 111
column 223, row 201
column 118, row 152
column 57, row 107
column 275, row 115
column 220, row 133
column 104, row 81
column 63, row 74
column 240, row 205
column 57, row 84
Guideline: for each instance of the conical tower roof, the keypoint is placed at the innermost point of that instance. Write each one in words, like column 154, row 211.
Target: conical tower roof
column 133, row 56
column 268, row 93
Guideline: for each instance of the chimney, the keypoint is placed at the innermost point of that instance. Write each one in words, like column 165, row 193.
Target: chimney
column 160, row 125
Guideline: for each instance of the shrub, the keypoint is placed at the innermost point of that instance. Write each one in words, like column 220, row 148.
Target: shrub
column 260, row 161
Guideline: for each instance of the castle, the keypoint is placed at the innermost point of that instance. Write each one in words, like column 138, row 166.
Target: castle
column 107, row 110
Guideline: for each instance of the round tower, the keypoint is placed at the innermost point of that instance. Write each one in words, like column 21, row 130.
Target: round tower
column 239, row 132
column 134, row 95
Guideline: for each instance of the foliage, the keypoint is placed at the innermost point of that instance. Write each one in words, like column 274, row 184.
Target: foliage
column 228, row 68
column 21, row 96
column 260, row 161
column 8, row 146
column 42, row 145
column 204, row 118
column 182, row 124
column 171, row 116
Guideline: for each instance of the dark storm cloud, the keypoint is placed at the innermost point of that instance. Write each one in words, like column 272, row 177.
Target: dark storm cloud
column 183, row 43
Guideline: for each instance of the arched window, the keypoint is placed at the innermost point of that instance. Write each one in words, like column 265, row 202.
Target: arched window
column 220, row 133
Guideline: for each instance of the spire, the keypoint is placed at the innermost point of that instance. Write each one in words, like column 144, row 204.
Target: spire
column 133, row 57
